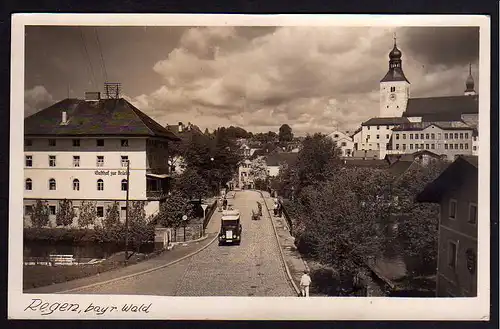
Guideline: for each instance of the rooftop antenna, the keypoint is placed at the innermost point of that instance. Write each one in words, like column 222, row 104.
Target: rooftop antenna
column 112, row 90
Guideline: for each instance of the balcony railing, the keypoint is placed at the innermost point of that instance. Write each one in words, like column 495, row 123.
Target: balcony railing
column 156, row 195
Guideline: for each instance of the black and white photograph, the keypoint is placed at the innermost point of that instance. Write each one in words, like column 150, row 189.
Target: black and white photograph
column 314, row 166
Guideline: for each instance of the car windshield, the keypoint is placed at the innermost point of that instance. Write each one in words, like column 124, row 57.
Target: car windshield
column 229, row 223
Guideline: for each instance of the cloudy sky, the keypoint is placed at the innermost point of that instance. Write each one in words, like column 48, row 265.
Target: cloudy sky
column 312, row 78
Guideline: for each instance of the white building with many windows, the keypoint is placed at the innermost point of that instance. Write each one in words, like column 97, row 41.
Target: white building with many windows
column 79, row 149
column 447, row 139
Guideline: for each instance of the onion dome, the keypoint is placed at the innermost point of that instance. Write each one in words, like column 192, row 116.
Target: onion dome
column 395, row 52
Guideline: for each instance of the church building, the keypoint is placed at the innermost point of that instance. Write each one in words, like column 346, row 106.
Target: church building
column 408, row 115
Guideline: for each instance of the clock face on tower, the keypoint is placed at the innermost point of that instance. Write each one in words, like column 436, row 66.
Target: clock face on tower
column 392, row 97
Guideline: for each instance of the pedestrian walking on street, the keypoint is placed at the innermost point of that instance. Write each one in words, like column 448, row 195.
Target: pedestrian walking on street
column 305, row 282
column 280, row 208
column 275, row 208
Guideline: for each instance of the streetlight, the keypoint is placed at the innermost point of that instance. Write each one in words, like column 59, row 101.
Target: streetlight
column 126, row 211
column 184, row 219
column 211, row 170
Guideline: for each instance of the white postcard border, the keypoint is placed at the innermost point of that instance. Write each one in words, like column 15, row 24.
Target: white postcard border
column 237, row 308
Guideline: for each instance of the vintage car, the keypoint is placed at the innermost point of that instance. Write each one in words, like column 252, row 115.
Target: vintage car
column 230, row 231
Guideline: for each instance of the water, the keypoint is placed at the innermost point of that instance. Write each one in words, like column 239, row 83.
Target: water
column 83, row 251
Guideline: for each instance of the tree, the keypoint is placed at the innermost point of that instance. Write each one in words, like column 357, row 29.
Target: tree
column 66, row 213
column 172, row 210
column 191, row 184
column 418, row 222
column 88, row 214
column 112, row 219
column 258, row 172
column 40, row 215
column 258, row 168
column 316, row 162
column 285, row 133
column 340, row 221
column 140, row 229
column 111, row 229
column 207, row 132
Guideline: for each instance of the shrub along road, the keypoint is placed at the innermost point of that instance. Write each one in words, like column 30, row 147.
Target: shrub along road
column 253, row 268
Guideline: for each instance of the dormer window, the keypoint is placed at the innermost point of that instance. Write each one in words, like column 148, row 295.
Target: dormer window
column 100, row 142
column 124, row 142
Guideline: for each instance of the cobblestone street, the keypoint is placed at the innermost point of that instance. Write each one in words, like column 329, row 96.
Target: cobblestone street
column 253, row 268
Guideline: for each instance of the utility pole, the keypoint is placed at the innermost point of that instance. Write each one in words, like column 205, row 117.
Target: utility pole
column 126, row 212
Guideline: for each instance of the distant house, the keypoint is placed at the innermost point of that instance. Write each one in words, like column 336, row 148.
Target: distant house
column 456, row 190
column 245, row 180
column 344, row 142
column 423, row 156
column 185, row 133
column 273, row 162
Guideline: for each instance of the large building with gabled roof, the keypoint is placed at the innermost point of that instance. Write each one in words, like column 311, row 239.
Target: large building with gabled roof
column 78, row 149
column 398, row 109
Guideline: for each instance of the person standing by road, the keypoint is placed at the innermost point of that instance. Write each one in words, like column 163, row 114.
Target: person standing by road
column 305, row 282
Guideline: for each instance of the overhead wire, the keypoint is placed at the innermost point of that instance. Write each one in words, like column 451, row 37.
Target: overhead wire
column 103, row 63
column 88, row 57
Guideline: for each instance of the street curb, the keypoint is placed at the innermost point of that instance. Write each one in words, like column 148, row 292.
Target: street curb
column 139, row 273
column 287, row 270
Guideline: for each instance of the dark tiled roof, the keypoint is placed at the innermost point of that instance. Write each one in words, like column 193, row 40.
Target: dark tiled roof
column 350, row 162
column 450, row 179
column 186, row 133
column 385, row 121
column 400, row 167
column 395, row 74
column 445, row 125
column 448, row 108
column 277, row 158
column 106, row 117
column 258, row 153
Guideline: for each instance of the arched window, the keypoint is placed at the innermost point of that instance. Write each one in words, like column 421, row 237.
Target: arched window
column 52, row 184
column 76, row 185
column 100, row 185
column 29, row 184
column 124, row 184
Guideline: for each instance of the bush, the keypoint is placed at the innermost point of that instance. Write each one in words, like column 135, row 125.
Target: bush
column 59, row 235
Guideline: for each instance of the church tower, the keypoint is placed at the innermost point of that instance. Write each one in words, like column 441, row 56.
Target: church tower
column 394, row 87
column 469, row 84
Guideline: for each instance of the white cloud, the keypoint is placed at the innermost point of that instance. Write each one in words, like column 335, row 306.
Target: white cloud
column 36, row 99
column 313, row 79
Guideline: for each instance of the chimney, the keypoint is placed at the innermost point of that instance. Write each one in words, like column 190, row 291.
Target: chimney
column 64, row 118
column 92, row 96
column 181, row 127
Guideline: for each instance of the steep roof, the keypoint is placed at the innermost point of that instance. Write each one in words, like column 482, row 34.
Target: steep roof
column 451, row 178
column 448, row 108
column 385, row 121
column 445, row 125
column 105, row 117
column 277, row 158
column 395, row 74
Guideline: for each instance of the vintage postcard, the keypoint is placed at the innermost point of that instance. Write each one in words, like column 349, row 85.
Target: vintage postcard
column 277, row 167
